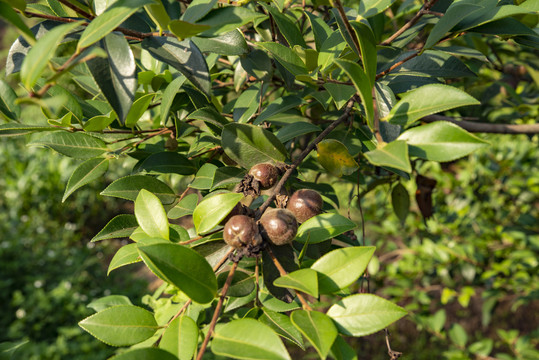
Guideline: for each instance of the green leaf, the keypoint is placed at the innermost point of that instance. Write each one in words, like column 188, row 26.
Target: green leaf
column 8, row 107
column 342, row 351
column 128, row 188
column 335, row 158
column 320, row 30
column 362, row 85
column 257, row 64
column 458, row 335
column 369, row 8
column 184, row 207
column 340, row 268
column 158, row 13
column 230, row 43
column 151, row 215
column 248, row 339
column 122, row 325
column 432, row 63
column 204, row 177
column 167, row 162
column 127, row 254
column 242, row 283
column 340, row 93
column 120, row 226
column 145, row 354
column 183, row 29
column 40, row 54
column 441, row 141
column 304, row 280
column 323, row 227
column 227, row 18
column 183, row 268
column 85, row 173
column 296, row 129
column 110, row 19
column 76, row 145
column 108, row 301
column 180, row 338
column 7, row 13
column 281, row 324
column 317, row 327
column 278, row 106
column 184, row 56
column 138, row 109
column 212, row 210
column 491, row 13
column 364, row 314
column 393, row 154
column 453, row 15
column 400, row 200
column 367, row 45
column 168, row 96
column 348, row 37
column 247, row 104
column 287, row 27
column 197, row 9
column 227, row 176
column 17, row 4
column 115, row 75
column 99, row 123
column 213, row 119
column 330, row 50
column 286, row 57
column 249, row 145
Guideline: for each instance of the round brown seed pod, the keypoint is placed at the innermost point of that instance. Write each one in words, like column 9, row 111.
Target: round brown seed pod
column 305, row 204
column 279, row 226
column 240, row 231
column 265, row 173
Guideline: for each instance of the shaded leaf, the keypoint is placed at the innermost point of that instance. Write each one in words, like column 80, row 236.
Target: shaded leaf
column 145, row 354
column 317, row 327
column 230, row 43
column 340, row 93
column 364, row 314
column 121, row 325
column 453, row 15
column 287, row 27
column 393, row 154
column 282, row 325
column 120, row 226
column 77, row 145
column 227, row 18
column 400, row 200
column 167, row 162
column 108, row 301
column 295, row 129
column 369, row 8
column 212, row 210
column 128, row 188
column 286, row 57
column 278, row 106
column 8, row 107
column 85, row 173
column 7, row 13
column 184, row 207
column 183, row 29
column 227, row 176
column 168, row 96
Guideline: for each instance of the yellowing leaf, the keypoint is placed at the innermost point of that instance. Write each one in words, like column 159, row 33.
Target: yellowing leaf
column 335, row 158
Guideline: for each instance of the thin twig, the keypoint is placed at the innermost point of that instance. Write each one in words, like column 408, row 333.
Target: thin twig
column 283, row 272
column 396, row 65
column 477, row 127
column 217, row 311
column 349, row 28
column 77, row 9
column 303, row 155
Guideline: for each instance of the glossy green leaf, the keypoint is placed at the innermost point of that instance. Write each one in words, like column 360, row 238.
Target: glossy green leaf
column 427, row 100
column 103, row 24
column 242, row 283
column 126, row 255
column 120, row 226
column 230, row 43
column 167, row 162
column 321, row 30
column 180, row 338
column 213, row 119
column 346, row 34
column 441, row 141
column 364, row 314
column 317, row 327
column 249, row 145
column 369, row 8
column 168, row 96
column 286, row 57
column 184, row 207
column 340, row 93
column 128, row 188
column 278, row 106
column 330, row 50
column 362, row 85
column 432, row 63
column 115, row 75
column 8, row 14
column 247, row 104
column 121, row 325
column 184, row 56
column 158, row 13
column 400, row 200
column 393, row 155
column 99, row 123
column 282, row 325
column 183, row 268
column 227, row 176
column 323, row 227
column 492, row 13
column 248, row 339
column 287, row 27
column 227, row 18
column 108, row 301
column 453, row 15
column 8, row 107
column 335, row 158
column 40, row 54
column 145, row 354
column 197, row 9
column 272, row 303
column 304, row 280
column 138, row 109
column 151, row 215
column 85, row 173
column 212, row 210
column 257, row 64
column 340, row 268
column 367, row 45
column 296, row 129
column 183, row 29
column 204, row 177
column 76, row 145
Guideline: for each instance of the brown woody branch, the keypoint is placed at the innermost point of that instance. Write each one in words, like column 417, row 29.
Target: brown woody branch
column 477, row 127
column 77, row 9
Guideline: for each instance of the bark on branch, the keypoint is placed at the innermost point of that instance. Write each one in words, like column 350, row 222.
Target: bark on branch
column 477, row 127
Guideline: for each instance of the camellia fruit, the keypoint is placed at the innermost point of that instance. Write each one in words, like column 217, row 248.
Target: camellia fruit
column 305, row 204
column 265, row 173
column 279, row 226
column 241, row 231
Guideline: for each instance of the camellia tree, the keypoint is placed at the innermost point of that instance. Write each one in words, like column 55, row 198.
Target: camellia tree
column 248, row 115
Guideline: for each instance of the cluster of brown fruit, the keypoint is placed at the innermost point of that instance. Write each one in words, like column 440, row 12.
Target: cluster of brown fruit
column 277, row 225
